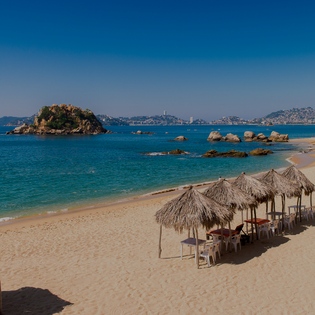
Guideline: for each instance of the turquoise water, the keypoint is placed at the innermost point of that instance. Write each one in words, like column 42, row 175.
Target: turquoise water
column 42, row 174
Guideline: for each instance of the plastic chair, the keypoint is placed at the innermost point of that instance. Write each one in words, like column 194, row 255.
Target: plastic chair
column 275, row 225
column 264, row 228
column 236, row 239
column 289, row 221
column 306, row 214
column 207, row 253
column 239, row 228
column 217, row 249
column 310, row 213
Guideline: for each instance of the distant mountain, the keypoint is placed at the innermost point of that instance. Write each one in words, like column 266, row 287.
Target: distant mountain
column 154, row 120
column 230, row 120
column 111, row 121
column 290, row 116
column 15, row 121
column 281, row 117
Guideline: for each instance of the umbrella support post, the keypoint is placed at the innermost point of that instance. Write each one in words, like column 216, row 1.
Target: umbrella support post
column 160, row 241
column 197, row 250
column 256, row 227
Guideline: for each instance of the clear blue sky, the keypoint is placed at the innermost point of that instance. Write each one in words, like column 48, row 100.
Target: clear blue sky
column 205, row 59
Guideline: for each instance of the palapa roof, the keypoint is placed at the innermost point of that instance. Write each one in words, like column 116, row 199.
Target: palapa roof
column 262, row 192
column 297, row 177
column 229, row 195
column 191, row 210
column 280, row 184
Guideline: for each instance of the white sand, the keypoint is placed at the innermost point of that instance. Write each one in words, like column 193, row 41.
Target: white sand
column 105, row 261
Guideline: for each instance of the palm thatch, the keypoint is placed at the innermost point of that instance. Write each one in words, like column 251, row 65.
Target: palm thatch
column 258, row 190
column 280, row 184
column 230, row 195
column 254, row 187
column 191, row 210
column 297, row 177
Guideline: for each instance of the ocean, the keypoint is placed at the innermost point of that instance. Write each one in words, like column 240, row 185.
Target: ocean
column 42, row 174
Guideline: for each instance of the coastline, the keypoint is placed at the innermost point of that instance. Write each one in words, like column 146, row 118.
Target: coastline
column 104, row 260
column 301, row 160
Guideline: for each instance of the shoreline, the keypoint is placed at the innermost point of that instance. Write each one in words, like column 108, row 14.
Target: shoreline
column 104, row 260
column 301, row 160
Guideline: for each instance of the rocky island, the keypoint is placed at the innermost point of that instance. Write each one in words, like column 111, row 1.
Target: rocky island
column 62, row 120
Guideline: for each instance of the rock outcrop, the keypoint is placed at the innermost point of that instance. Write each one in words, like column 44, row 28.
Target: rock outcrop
column 180, row 138
column 139, row 132
column 231, row 153
column 260, row 151
column 176, row 152
column 277, row 137
column 216, row 136
column 230, row 137
column 274, row 137
column 62, row 120
column 261, row 137
column 249, row 135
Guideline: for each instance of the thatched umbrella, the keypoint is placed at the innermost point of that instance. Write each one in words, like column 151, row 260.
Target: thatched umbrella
column 255, row 188
column 281, row 186
column 190, row 211
column 230, row 196
column 297, row 177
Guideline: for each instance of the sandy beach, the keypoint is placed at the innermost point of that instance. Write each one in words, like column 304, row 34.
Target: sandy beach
column 105, row 261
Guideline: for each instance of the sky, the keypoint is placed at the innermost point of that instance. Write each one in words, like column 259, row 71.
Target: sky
column 205, row 59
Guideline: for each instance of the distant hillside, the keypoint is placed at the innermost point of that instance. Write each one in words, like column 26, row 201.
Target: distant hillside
column 15, row 121
column 111, row 121
column 290, row 116
column 154, row 120
column 295, row 115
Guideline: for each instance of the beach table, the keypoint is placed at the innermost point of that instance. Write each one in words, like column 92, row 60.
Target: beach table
column 276, row 213
column 256, row 222
column 295, row 208
column 225, row 233
column 191, row 242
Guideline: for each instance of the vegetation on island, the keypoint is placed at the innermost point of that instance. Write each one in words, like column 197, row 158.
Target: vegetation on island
column 62, row 119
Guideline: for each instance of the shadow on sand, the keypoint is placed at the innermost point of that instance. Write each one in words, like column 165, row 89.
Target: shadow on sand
column 34, row 301
column 259, row 247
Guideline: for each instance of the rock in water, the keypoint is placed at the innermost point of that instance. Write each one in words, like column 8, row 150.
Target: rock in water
column 231, row 153
column 277, row 137
column 62, row 120
column 214, row 136
column 180, row 138
column 260, row 151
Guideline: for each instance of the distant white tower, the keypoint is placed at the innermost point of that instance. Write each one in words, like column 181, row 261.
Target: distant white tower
column 191, row 119
column 165, row 113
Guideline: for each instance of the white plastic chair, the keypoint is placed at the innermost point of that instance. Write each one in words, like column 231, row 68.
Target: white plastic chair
column 216, row 239
column 236, row 239
column 264, row 228
column 217, row 249
column 310, row 213
column 289, row 220
column 275, row 225
column 207, row 253
column 306, row 214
